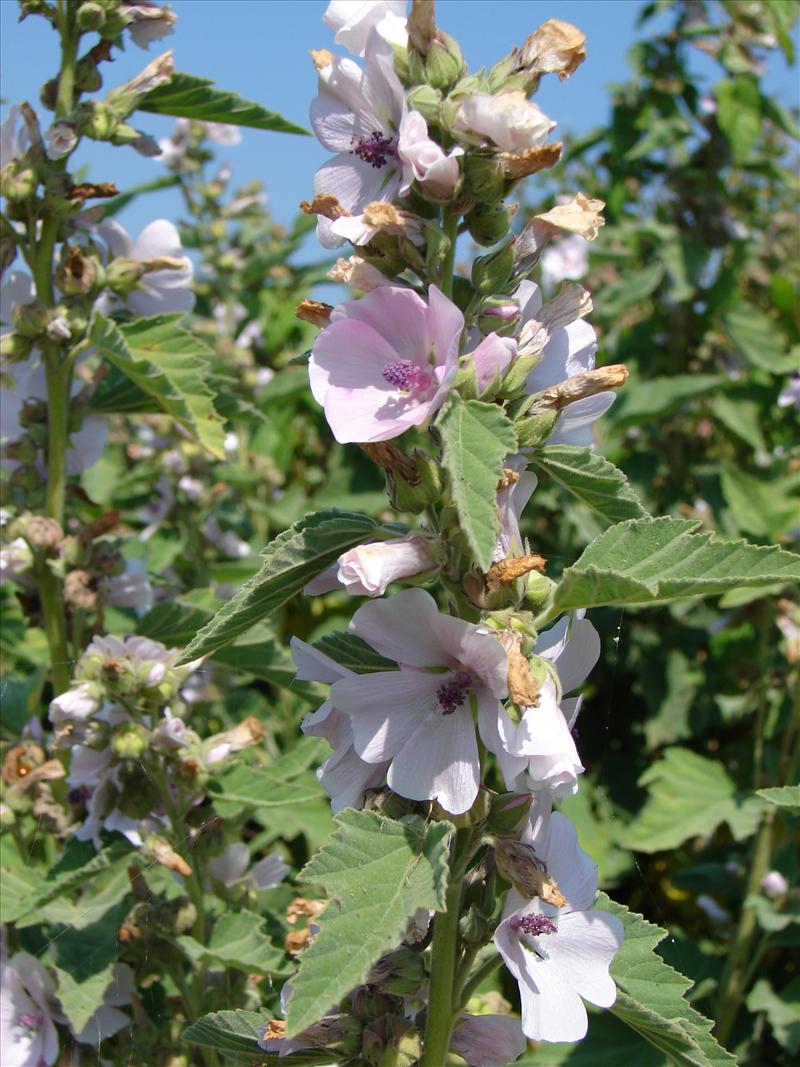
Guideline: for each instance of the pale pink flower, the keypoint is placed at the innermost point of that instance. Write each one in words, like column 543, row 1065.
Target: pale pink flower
column 170, row 733
column 420, row 718
column 386, row 362
column 223, row 133
column 353, row 20
column 559, row 956
column 16, row 559
column 28, row 1012
column 715, row 912
column 491, row 359
column 508, row 119
column 774, row 884
column 567, row 259
column 108, row 1019
column 147, row 22
column 131, row 589
column 77, row 704
column 228, row 542
column 488, row 1040
column 14, row 142
column 367, row 570
column 436, row 172
column 343, row 775
column 790, row 394
column 160, row 291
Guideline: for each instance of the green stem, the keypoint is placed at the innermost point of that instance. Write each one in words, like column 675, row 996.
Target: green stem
column 55, row 627
column 732, row 986
column 478, row 977
column 450, row 226
column 441, row 1015
column 58, row 379
column 65, row 100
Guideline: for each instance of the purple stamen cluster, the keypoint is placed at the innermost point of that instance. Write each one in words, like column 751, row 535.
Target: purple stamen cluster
column 375, row 149
column 453, row 693
column 534, row 925
column 405, row 375
column 30, row 1020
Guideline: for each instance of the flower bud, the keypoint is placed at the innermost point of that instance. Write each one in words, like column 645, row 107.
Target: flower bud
column 78, row 274
column 441, row 67
column 488, row 223
column 499, row 315
column 14, row 347
column 401, row 972
column 518, row 863
column 427, row 101
column 17, row 183
column 60, row 139
column 534, row 431
column 41, row 533
column 96, row 120
column 368, row 1003
column 473, row 926
column 774, row 885
column 491, row 273
column 539, row 591
column 508, row 813
column 126, row 98
column 130, row 741
column 7, row 817
column 91, row 16
column 484, row 178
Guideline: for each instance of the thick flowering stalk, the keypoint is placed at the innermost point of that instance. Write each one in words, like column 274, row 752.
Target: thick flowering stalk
column 473, row 695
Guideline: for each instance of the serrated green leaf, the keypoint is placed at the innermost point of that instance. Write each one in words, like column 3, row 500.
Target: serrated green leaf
column 84, row 965
column 285, row 783
column 236, row 1032
column 351, row 652
column 650, row 996
column 289, row 562
column 757, row 338
column 476, row 438
column 238, row 940
column 689, row 796
column 377, row 872
column 781, row 1009
column 760, row 506
column 648, row 561
column 739, row 114
column 592, row 479
column 785, row 796
column 189, row 97
column 171, row 366
column 79, row 864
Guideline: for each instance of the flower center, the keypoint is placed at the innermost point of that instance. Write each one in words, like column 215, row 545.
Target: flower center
column 405, row 375
column 375, row 149
column 452, row 694
column 533, row 925
column 31, row 1021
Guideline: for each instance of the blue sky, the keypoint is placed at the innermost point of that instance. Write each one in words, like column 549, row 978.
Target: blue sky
column 259, row 48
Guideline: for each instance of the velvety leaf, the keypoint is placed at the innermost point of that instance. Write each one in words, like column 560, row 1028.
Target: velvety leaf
column 238, row 940
column 476, row 438
column 592, row 479
column 757, row 338
column 168, row 364
column 766, row 508
column 640, row 400
column 289, row 562
column 781, row 1009
column 285, row 783
column 689, row 796
column 234, row 1032
column 785, row 796
column 646, row 561
column 651, row 996
column 377, row 873
column 84, row 965
column 189, row 97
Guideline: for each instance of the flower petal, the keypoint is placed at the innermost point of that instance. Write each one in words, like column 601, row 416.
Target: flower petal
column 402, row 628
column 439, row 762
column 385, row 709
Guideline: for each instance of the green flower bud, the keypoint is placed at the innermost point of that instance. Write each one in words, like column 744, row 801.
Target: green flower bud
column 533, row 431
column 17, row 182
column 48, row 94
column 428, row 101
column 539, row 591
column 15, row 347
column 443, row 65
column 7, row 817
column 91, row 16
column 130, row 740
column 415, row 497
column 96, row 120
column 405, row 1044
column 368, row 1003
column 473, row 926
column 401, row 972
column 491, row 273
column 508, row 814
column 489, row 223
column 463, row 292
column 499, row 315
column 484, row 178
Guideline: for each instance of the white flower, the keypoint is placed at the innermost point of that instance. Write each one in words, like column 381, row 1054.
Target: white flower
column 131, row 589
column 13, row 142
column 367, row 570
column 774, row 884
column 559, row 956
column 229, row 543
column 108, row 1019
column 508, row 119
column 436, row 172
column 716, row 913
column 352, row 21
column 75, row 705
column 147, row 22
column 16, row 558
column 223, row 133
column 790, row 394
column 160, row 291
column 28, row 1037
column 60, row 139
column 343, row 775
column 232, row 867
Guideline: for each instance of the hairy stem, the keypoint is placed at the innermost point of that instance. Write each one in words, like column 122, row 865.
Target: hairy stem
column 478, row 977
column 443, row 964
column 55, row 627
column 450, row 225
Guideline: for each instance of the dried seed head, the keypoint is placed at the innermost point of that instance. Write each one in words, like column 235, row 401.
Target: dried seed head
column 314, row 311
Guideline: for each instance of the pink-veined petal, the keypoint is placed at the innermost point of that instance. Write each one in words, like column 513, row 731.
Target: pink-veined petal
column 439, row 762
column 385, row 709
